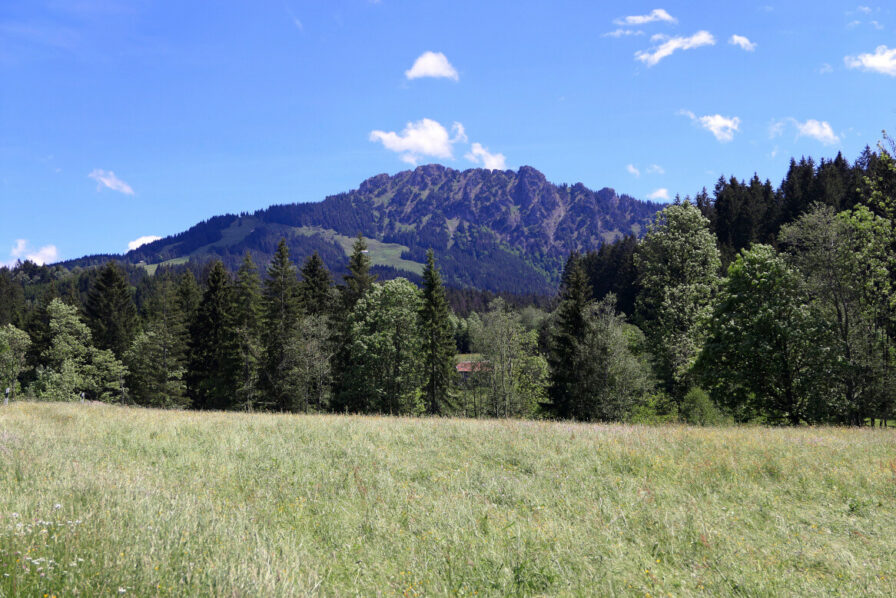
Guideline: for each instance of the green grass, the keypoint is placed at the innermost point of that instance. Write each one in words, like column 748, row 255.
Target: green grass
column 381, row 254
column 94, row 498
column 151, row 268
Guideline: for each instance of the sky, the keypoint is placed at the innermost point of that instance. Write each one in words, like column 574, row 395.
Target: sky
column 122, row 121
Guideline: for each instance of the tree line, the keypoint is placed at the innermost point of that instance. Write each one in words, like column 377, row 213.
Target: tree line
column 756, row 304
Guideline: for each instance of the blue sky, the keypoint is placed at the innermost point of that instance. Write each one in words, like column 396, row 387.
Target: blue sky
column 121, row 120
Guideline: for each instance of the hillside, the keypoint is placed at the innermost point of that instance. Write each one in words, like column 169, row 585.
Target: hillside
column 493, row 230
column 94, row 498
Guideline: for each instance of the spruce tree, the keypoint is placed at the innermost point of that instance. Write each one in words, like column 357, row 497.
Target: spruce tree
column 247, row 327
column 281, row 312
column 359, row 279
column 566, row 342
column 111, row 313
column 211, row 377
column 315, row 288
column 438, row 340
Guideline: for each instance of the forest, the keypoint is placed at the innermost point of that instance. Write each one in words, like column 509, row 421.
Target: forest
column 747, row 304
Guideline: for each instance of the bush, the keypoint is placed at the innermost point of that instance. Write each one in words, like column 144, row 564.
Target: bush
column 698, row 409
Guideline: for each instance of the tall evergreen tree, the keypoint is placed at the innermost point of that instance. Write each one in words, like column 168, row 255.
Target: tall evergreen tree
column 315, row 289
column 566, row 341
column 438, row 341
column 111, row 312
column 359, row 279
column 247, row 328
column 281, row 311
column 211, row 377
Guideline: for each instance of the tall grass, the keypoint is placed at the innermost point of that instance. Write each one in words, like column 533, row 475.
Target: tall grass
column 99, row 500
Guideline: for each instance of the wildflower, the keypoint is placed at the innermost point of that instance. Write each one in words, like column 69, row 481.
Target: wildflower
column 57, row 506
column 121, row 590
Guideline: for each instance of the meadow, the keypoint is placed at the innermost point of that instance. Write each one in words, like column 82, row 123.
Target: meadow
column 100, row 500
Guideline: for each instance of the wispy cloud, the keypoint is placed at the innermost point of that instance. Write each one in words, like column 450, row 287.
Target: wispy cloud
column 108, row 179
column 657, row 14
column 818, row 130
column 722, row 127
column 825, row 68
column 481, row 155
column 661, row 193
column 632, row 170
column 864, row 9
column 424, row 138
column 22, row 251
column 742, row 42
column 882, row 61
column 139, row 241
column 656, row 169
column 432, row 64
column 623, row 33
column 673, row 44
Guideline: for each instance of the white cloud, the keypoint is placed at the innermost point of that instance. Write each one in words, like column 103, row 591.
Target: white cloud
column 481, row 155
column 882, row 61
column 661, row 193
column 657, row 14
column 742, row 42
column 109, row 180
column 722, row 127
column 864, row 9
column 21, row 251
column 424, row 138
column 656, row 169
column 825, row 68
column 819, row 130
column 776, row 129
column 632, row 170
column 142, row 241
column 622, row 33
column 701, row 38
column 432, row 64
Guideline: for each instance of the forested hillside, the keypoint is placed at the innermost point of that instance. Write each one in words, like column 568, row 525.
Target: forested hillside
column 500, row 231
column 755, row 303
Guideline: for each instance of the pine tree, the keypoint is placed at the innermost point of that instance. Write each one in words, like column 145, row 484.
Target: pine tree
column 566, row 342
column 111, row 313
column 438, row 340
column 315, row 289
column 281, row 310
column 211, row 377
column 247, row 325
column 359, row 279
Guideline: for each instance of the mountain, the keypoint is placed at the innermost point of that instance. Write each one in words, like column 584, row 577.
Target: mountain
column 500, row 231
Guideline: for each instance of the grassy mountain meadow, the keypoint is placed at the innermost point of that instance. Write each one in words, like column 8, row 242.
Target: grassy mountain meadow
column 99, row 500
column 500, row 231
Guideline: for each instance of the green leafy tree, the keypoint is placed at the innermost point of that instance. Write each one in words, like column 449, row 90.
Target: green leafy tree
column 111, row 313
column 613, row 373
column 72, row 365
column 14, row 344
column 385, row 356
column 846, row 261
column 437, row 335
column 307, row 366
column 214, row 362
column 678, row 264
column 514, row 374
column 761, row 355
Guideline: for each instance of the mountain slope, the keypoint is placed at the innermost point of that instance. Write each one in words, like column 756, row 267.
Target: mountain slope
column 493, row 230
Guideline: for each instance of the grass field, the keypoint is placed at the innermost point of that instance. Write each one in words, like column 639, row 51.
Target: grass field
column 100, row 500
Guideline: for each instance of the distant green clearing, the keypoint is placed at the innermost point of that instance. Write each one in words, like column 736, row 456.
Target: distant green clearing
column 98, row 500
column 151, row 268
column 381, row 254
